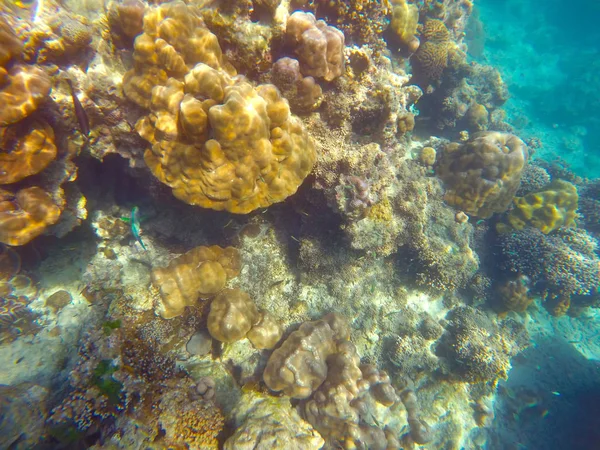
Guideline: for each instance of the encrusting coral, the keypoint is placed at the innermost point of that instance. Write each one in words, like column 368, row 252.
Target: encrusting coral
column 201, row 272
column 483, row 174
column 548, row 209
column 217, row 141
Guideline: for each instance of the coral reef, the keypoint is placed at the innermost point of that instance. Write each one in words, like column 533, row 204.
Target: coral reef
column 431, row 56
column 232, row 314
column 513, row 294
column 264, row 422
column 478, row 349
column 303, row 93
column 217, row 141
column 563, row 266
column 548, row 209
column 202, row 272
column 483, row 174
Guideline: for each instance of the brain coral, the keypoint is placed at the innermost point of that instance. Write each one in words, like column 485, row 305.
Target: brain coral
column 201, row 272
column 217, row 141
column 548, row 209
column 483, row 174
column 431, row 58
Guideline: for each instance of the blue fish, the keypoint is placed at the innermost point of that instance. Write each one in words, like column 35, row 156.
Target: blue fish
column 134, row 223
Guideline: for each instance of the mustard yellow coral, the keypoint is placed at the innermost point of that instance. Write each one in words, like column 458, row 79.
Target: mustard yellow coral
column 403, row 23
column 201, row 272
column 552, row 207
column 217, row 141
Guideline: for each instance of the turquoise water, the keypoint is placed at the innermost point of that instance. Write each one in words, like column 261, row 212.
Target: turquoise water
column 547, row 52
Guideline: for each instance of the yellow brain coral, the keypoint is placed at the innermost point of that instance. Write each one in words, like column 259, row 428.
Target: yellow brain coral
column 483, row 174
column 217, row 141
column 201, row 272
column 552, row 207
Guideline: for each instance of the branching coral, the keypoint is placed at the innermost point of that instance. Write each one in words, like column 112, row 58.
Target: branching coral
column 561, row 266
column 548, row 209
column 201, row 272
column 319, row 47
column 483, row 174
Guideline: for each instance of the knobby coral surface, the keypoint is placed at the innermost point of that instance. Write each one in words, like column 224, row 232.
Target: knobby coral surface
column 201, row 272
column 217, row 141
column 483, row 174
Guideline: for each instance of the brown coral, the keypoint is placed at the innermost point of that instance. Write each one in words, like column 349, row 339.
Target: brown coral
column 483, row 174
column 22, row 90
column 257, row 154
column 299, row 366
column 232, row 314
column 25, row 215
column 201, row 272
column 431, row 58
column 25, row 151
column 319, row 47
column 174, row 40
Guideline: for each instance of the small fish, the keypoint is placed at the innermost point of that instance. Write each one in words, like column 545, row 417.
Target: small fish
column 556, row 393
column 82, row 118
column 134, row 222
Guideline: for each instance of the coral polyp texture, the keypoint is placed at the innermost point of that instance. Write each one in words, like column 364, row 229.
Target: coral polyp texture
column 217, row 141
column 483, row 174
column 548, row 209
column 200, row 273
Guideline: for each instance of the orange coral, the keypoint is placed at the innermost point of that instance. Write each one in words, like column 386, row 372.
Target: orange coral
column 174, row 40
column 483, row 174
column 201, row 272
column 25, row 151
column 25, row 215
column 23, row 89
column 548, row 209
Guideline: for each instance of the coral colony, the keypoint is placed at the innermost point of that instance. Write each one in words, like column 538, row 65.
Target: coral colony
column 270, row 224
